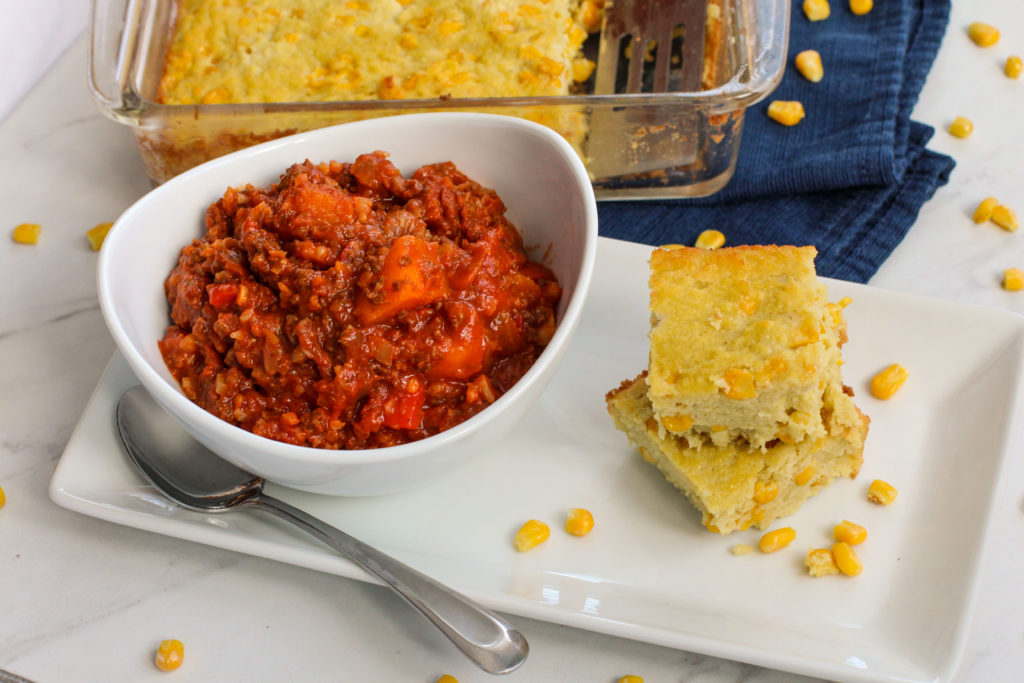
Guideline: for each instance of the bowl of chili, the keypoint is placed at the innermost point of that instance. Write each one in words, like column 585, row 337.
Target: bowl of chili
column 358, row 309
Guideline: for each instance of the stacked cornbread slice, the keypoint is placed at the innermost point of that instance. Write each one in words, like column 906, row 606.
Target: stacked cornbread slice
column 742, row 406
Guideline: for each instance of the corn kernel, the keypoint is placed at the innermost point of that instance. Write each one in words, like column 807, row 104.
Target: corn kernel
column 860, row 7
column 881, row 492
column 808, row 63
column 447, row 679
column 169, row 655
column 961, row 127
column 739, row 383
column 579, row 522
column 984, row 210
column 97, row 234
column 742, row 549
column 1013, row 279
column 677, row 423
column 1005, row 218
column 765, row 492
column 804, row 475
column 530, row 535
column 848, row 532
column 983, row 35
column 710, row 239
column 817, row 10
column 777, row 539
column 846, row 559
column 581, row 69
column 788, row 113
column 448, row 27
column 27, row 233
column 886, row 383
column 820, row 562
column 3, row 497
column 1013, row 67
column 631, row 679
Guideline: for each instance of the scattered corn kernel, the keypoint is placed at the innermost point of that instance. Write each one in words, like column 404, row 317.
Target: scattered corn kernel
column 984, row 210
column 1013, row 67
column 983, row 35
column 788, row 113
column 804, row 475
column 1013, row 279
column 817, row 10
column 886, row 383
column 97, row 234
column 808, row 63
column 169, row 655
column 848, row 532
column 710, row 239
column 881, row 492
column 961, row 127
column 631, row 679
column 447, row 679
column 579, row 522
column 27, row 233
column 860, row 7
column 1005, row 218
column 846, row 559
column 742, row 549
column 531, row 534
column 777, row 539
column 3, row 497
column 820, row 562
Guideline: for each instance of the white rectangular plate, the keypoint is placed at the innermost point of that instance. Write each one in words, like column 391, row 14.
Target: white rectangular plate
column 649, row 571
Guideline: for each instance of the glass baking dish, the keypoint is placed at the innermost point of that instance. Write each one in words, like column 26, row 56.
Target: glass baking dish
column 637, row 145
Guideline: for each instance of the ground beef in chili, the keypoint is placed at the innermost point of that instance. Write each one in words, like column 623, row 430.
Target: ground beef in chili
column 350, row 307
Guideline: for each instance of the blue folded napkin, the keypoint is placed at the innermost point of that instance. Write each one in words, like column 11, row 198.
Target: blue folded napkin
column 849, row 179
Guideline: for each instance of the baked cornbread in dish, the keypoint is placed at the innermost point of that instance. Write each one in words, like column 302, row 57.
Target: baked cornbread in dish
column 743, row 345
column 734, row 486
column 313, row 51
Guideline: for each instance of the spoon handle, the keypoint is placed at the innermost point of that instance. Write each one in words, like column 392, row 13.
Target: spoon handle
column 488, row 640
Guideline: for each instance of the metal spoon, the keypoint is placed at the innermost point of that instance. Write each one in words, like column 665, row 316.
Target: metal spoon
column 196, row 478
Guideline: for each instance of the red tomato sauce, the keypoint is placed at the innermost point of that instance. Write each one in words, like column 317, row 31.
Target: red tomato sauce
column 349, row 307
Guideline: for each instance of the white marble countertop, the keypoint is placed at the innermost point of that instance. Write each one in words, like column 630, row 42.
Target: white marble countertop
column 86, row 600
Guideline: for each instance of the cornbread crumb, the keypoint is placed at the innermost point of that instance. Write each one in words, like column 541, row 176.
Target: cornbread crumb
column 741, row 549
column 820, row 562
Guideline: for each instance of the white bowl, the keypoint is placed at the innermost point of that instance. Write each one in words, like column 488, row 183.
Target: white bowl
column 536, row 173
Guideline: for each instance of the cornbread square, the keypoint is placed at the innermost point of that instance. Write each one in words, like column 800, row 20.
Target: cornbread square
column 314, row 51
column 734, row 486
column 743, row 344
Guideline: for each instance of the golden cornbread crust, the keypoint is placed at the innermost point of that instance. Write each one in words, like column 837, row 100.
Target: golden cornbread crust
column 743, row 344
column 728, row 484
column 312, row 51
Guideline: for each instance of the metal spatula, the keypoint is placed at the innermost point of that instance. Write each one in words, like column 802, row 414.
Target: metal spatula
column 665, row 53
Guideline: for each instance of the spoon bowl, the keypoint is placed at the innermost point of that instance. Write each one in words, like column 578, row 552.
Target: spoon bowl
column 196, row 478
